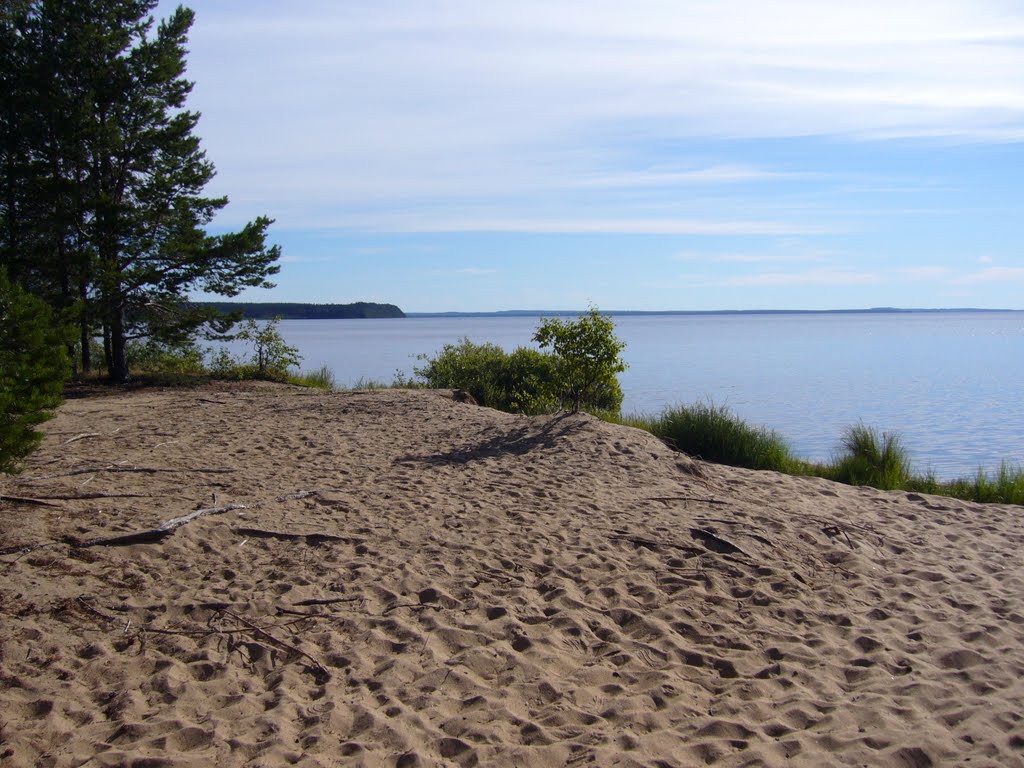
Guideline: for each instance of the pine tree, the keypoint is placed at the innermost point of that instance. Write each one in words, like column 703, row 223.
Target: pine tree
column 33, row 367
column 104, row 174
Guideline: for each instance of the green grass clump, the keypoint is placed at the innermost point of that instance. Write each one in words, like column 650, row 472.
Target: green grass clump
column 1006, row 486
column 363, row 383
column 868, row 458
column 714, row 433
column 321, row 378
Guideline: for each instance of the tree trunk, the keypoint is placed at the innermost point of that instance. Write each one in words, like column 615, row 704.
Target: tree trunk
column 118, row 347
column 85, row 338
column 106, row 345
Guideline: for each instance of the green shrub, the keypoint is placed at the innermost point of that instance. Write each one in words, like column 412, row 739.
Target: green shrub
column 587, row 361
column 271, row 356
column 153, row 357
column 33, row 368
column 580, row 370
column 475, row 368
column 519, row 382
column 867, row 459
column 525, row 382
column 224, row 365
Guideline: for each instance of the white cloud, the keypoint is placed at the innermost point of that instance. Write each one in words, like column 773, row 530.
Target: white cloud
column 993, row 275
column 322, row 105
column 539, row 225
column 721, row 174
column 811, row 277
column 924, row 273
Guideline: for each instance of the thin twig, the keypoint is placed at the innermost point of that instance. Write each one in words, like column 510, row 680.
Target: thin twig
column 82, row 436
column 260, row 632
column 667, row 499
column 86, row 496
column 144, row 470
column 309, row 538
column 328, row 600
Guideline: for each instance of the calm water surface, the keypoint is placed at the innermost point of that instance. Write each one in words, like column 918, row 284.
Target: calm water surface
column 952, row 384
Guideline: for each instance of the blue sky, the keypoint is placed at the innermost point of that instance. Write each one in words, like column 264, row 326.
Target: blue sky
column 656, row 154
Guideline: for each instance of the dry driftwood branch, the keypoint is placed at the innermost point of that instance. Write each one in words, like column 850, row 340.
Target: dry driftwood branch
column 260, row 632
column 761, row 537
column 87, row 496
column 835, row 530
column 145, row 470
column 162, row 531
column 23, row 549
column 310, row 538
column 82, row 436
column 716, row 543
column 29, row 500
column 328, row 600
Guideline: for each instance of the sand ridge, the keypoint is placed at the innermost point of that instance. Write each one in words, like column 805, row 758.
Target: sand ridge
column 419, row 581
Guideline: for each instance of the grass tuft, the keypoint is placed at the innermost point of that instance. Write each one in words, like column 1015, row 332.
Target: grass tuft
column 714, row 433
column 321, row 378
column 868, row 458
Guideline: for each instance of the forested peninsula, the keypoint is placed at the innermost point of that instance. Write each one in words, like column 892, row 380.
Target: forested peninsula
column 295, row 311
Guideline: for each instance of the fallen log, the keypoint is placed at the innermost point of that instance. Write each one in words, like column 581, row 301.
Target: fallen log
column 159, row 533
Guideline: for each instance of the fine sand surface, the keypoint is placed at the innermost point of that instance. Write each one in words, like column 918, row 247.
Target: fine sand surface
column 419, row 581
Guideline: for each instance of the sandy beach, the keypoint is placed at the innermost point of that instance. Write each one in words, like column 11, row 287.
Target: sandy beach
column 253, row 574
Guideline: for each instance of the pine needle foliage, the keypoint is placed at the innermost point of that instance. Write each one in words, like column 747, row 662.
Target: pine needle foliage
column 33, row 369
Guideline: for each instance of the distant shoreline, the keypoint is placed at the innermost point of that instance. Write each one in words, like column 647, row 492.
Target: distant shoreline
column 267, row 310
column 634, row 312
column 366, row 310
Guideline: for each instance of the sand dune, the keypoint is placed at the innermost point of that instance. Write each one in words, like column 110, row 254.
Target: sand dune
column 400, row 579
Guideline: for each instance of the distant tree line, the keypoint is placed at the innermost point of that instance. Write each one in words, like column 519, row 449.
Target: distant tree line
column 298, row 311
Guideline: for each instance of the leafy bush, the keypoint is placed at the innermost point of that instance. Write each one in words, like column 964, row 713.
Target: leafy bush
column 272, row 357
column 223, row 365
column 33, row 368
column 154, row 357
column 867, row 459
column 466, row 365
column 581, row 369
column 587, row 359
column 520, row 382
column 525, row 382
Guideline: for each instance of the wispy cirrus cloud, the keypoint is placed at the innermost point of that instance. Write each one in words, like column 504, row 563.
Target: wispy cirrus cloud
column 804, row 278
column 992, row 275
column 391, row 102
column 617, row 226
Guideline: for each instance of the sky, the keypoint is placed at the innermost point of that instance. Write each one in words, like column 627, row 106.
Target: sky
column 459, row 155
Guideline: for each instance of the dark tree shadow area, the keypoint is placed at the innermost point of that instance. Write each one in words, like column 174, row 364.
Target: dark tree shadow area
column 515, row 442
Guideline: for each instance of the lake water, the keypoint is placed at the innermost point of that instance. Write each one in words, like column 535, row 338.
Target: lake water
column 952, row 384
